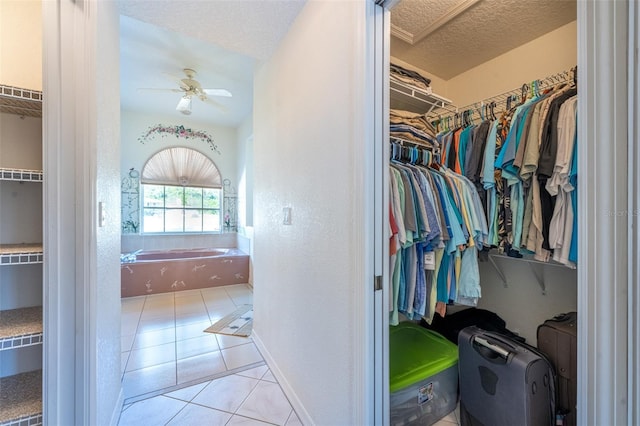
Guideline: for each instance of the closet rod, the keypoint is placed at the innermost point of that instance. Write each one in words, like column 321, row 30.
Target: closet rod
column 402, row 141
column 544, row 83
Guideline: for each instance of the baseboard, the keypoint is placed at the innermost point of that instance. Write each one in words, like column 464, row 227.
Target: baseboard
column 117, row 410
column 297, row 405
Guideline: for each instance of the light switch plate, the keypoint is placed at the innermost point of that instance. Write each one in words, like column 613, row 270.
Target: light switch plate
column 286, row 216
column 102, row 215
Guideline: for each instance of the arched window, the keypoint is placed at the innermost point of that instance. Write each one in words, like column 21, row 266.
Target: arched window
column 182, row 193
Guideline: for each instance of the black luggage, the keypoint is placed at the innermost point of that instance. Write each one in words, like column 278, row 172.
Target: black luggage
column 503, row 382
column 557, row 339
column 450, row 325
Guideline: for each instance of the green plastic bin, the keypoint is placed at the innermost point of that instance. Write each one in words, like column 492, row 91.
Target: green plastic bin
column 423, row 375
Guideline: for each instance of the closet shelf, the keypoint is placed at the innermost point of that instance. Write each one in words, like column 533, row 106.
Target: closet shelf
column 531, row 262
column 21, row 175
column 21, row 399
column 409, row 98
column 20, row 328
column 20, row 254
column 25, row 102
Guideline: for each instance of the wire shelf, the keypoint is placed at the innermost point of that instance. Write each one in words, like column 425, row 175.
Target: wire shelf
column 406, row 97
column 20, row 254
column 21, row 399
column 20, row 327
column 544, row 83
column 21, row 175
column 24, row 102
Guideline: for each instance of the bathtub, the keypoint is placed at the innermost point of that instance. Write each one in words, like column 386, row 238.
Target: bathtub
column 147, row 272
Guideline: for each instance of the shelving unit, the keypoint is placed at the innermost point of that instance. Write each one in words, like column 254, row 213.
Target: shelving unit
column 409, row 98
column 533, row 264
column 21, row 257
column 20, row 328
column 20, row 254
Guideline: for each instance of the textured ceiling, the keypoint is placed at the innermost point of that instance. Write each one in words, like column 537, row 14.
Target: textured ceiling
column 487, row 29
column 221, row 40
column 250, row 27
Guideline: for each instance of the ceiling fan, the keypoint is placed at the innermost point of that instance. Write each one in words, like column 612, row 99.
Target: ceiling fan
column 190, row 88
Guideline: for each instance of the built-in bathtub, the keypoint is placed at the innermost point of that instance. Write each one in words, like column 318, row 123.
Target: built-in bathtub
column 147, row 272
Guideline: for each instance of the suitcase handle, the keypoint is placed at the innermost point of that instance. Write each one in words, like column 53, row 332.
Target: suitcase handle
column 495, row 348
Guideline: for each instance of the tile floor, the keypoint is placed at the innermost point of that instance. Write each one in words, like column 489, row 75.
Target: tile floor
column 176, row 374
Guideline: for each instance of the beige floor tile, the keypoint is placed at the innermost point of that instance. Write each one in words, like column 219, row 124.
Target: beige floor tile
column 226, row 393
column 214, row 292
column 124, row 357
column 197, row 415
column 200, row 366
column 158, row 313
column 254, row 373
column 188, row 393
column 191, row 318
column 130, row 317
column 150, row 356
column 220, row 309
column 126, row 342
column 156, row 324
column 132, row 304
column 139, row 382
column 226, row 341
column 187, row 310
column 190, row 331
column 293, row 420
column 158, row 304
column 187, row 293
column 159, row 297
column 242, row 300
column 267, row 403
column 196, row 346
column 239, row 356
column 154, row 338
column 269, row 377
column 128, row 328
column 244, row 421
column 153, row 411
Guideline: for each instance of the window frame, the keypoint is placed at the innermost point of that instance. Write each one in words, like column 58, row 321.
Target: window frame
column 184, row 208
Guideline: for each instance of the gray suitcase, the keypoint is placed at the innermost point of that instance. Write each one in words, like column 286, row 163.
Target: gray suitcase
column 503, row 382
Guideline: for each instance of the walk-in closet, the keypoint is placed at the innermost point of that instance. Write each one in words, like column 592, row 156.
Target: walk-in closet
column 493, row 212
column 21, row 215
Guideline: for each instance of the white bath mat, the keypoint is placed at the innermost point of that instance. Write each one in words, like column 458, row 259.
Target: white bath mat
column 237, row 323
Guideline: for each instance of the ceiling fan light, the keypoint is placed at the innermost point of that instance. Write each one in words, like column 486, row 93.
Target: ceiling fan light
column 184, row 106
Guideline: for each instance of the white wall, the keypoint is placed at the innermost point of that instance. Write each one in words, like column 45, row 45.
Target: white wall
column 245, row 190
column 551, row 53
column 106, row 157
column 135, row 154
column 308, row 145
column 21, row 43
column 245, row 173
column 521, row 303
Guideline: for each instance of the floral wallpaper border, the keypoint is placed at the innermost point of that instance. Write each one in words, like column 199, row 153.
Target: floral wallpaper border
column 179, row 131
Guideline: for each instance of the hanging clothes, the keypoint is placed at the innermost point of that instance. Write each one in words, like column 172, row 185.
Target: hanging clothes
column 506, row 183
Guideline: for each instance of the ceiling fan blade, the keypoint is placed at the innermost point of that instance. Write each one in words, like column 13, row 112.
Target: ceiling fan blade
column 177, row 79
column 184, row 105
column 153, row 89
column 215, row 104
column 218, row 92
